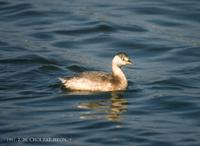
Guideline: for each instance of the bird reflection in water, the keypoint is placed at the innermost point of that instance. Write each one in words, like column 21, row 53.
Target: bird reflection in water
column 110, row 109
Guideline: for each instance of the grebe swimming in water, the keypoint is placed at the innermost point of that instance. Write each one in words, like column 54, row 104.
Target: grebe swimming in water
column 100, row 81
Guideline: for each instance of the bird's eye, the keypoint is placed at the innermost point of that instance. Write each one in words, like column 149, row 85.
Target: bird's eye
column 124, row 59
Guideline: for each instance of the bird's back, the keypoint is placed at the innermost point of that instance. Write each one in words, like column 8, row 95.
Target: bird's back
column 90, row 81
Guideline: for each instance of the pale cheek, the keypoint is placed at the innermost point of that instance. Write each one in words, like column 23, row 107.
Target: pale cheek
column 122, row 63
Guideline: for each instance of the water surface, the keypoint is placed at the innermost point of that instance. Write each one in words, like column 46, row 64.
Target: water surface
column 43, row 40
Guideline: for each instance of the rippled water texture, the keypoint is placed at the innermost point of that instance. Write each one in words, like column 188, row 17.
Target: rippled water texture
column 41, row 40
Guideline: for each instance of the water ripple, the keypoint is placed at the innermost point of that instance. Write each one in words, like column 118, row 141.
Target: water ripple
column 28, row 59
column 43, row 40
column 98, row 28
column 15, row 8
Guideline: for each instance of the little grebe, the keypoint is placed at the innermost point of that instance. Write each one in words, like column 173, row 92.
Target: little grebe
column 100, row 81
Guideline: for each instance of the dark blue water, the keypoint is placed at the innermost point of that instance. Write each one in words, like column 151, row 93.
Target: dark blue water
column 41, row 40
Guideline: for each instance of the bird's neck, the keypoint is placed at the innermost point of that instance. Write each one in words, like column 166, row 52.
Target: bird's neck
column 118, row 73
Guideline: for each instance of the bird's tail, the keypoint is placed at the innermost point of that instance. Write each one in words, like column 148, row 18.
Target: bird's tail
column 62, row 80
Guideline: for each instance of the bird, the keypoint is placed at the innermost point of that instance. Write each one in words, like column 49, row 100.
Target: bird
column 98, row 81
